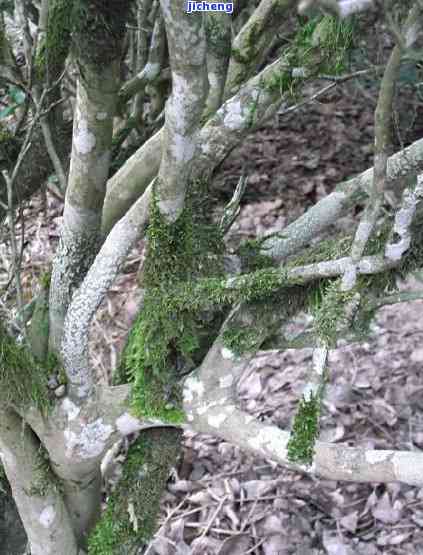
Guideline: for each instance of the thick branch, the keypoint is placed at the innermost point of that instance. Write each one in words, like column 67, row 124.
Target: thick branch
column 92, row 137
column 253, row 39
column 208, row 400
column 44, row 515
column 152, row 68
column 95, row 285
column 237, row 117
column 187, row 54
column 405, row 163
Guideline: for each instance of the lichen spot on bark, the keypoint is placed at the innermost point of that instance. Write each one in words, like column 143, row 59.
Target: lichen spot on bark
column 47, row 516
column 217, row 420
column 234, row 117
column 127, row 424
column 193, row 386
column 101, row 116
column 70, row 409
column 84, row 140
column 227, row 354
column 88, row 442
column 182, row 148
column 226, row 381
column 374, row 457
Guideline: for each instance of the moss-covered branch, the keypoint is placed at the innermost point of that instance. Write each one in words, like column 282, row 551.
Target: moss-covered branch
column 23, row 382
column 129, row 520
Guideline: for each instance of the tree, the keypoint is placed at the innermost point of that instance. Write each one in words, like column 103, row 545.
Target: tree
column 142, row 157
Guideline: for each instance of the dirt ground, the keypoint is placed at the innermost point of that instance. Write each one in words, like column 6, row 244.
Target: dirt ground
column 220, row 501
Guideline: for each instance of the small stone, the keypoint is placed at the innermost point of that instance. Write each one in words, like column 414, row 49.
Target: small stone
column 60, row 391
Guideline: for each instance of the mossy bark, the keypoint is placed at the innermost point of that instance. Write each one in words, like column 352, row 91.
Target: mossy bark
column 139, row 492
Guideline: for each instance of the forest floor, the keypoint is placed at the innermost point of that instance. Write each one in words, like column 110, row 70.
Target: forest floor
column 219, row 500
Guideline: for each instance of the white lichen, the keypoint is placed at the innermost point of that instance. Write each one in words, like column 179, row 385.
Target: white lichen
column 227, row 353
column 377, row 456
column 349, row 7
column 182, row 148
column 234, row 117
column 70, row 409
column 88, row 442
column 193, row 387
column 84, row 140
column 47, row 516
column 319, row 360
column 226, row 381
column 217, row 420
column 127, row 424
column 7, row 457
column 407, row 469
column 310, row 391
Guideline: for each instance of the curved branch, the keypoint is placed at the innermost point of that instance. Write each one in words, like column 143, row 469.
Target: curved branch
column 402, row 164
column 44, row 515
column 92, row 291
column 208, row 400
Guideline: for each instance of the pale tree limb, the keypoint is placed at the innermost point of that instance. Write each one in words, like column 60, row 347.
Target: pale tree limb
column 401, row 232
column 94, row 287
column 187, row 54
column 90, row 159
column 380, row 173
column 313, row 391
column 152, row 68
column 210, row 407
column 405, row 163
column 219, row 36
column 77, row 438
column 252, row 41
column 43, row 513
column 237, row 117
column 113, row 252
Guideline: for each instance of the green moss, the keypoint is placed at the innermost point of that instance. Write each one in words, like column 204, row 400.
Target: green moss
column 218, row 35
column 45, row 279
column 305, row 430
column 252, row 257
column 320, row 46
column 99, row 30
column 251, row 46
column 138, row 493
column 45, row 480
column 327, row 249
column 329, row 315
column 167, row 334
column 240, row 340
column 54, row 50
column 23, row 381
column 324, row 42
